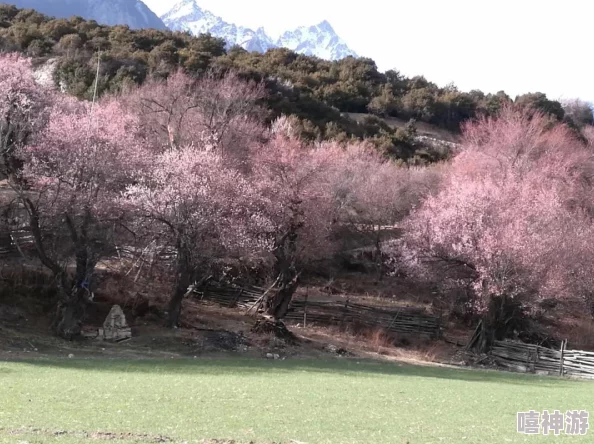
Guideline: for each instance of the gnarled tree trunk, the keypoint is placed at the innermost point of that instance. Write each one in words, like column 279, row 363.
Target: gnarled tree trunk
column 184, row 276
column 378, row 255
column 72, row 306
column 75, row 297
column 503, row 316
column 71, row 313
column 74, row 294
column 276, row 304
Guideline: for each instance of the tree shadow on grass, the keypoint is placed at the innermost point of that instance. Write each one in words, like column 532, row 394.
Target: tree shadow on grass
column 251, row 366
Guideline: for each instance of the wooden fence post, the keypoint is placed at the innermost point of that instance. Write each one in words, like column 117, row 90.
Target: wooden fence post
column 16, row 244
column 236, row 299
column 344, row 313
column 393, row 320
column 563, row 345
column 204, row 291
column 305, row 308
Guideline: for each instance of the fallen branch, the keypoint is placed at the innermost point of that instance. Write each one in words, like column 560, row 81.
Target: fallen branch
column 261, row 298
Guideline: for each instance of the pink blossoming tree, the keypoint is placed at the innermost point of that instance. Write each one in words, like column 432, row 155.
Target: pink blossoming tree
column 181, row 111
column 292, row 179
column 192, row 200
column 373, row 194
column 75, row 170
column 514, row 218
column 23, row 107
column 195, row 195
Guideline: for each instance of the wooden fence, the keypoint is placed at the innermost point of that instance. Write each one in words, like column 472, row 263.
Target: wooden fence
column 16, row 242
column 230, row 296
column 20, row 242
column 307, row 312
column 396, row 321
column 530, row 358
column 405, row 321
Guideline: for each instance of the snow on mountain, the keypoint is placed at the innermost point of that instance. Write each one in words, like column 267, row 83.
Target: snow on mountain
column 320, row 40
column 133, row 13
column 188, row 16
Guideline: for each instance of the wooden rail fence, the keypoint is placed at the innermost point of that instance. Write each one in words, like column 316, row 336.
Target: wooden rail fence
column 530, row 358
column 307, row 312
column 16, row 242
column 21, row 242
column 405, row 321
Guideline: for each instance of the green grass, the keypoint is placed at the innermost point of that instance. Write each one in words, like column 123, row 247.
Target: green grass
column 332, row 401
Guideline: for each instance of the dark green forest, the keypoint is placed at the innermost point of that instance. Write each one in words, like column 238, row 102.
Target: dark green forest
column 316, row 91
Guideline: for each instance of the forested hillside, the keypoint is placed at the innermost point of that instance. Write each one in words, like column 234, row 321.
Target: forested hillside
column 316, row 91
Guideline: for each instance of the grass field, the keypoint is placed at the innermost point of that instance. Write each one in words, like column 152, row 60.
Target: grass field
column 333, row 401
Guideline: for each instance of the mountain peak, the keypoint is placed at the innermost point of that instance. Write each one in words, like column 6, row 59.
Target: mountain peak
column 319, row 40
column 187, row 15
column 326, row 27
column 180, row 4
column 133, row 13
column 184, row 9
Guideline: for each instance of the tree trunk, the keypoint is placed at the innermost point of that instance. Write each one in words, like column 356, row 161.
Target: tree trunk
column 70, row 313
column 503, row 316
column 175, row 303
column 378, row 256
column 72, row 307
column 75, row 297
column 183, row 281
column 484, row 337
column 276, row 304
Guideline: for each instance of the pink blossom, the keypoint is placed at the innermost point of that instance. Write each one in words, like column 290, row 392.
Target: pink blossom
column 515, row 211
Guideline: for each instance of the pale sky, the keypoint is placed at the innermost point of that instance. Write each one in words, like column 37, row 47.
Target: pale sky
column 518, row 46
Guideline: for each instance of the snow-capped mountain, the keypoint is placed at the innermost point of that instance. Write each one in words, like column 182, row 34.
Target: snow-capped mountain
column 188, row 16
column 133, row 13
column 320, row 40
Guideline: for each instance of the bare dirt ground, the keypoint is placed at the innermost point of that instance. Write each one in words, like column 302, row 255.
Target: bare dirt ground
column 217, row 332
column 209, row 330
column 214, row 331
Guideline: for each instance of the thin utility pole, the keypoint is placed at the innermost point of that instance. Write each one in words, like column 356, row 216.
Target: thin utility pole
column 96, row 78
column 94, row 92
